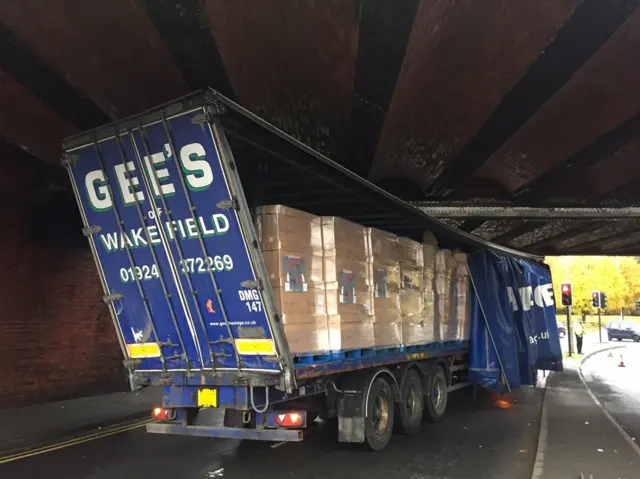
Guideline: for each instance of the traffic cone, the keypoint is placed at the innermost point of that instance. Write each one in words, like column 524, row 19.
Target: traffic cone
column 621, row 364
column 610, row 354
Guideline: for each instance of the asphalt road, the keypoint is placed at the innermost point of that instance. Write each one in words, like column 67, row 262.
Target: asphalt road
column 476, row 439
column 618, row 388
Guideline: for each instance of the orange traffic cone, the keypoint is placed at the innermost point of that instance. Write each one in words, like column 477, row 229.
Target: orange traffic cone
column 621, row 364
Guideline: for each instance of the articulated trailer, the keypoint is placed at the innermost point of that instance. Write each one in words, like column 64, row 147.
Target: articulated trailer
column 166, row 198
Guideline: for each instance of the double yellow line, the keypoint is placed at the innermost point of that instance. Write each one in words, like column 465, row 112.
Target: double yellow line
column 92, row 436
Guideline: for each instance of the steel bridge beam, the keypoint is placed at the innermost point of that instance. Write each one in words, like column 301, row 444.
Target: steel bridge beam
column 523, row 212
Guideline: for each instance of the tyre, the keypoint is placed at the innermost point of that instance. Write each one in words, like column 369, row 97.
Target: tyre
column 636, row 338
column 436, row 395
column 561, row 334
column 609, row 338
column 410, row 409
column 378, row 424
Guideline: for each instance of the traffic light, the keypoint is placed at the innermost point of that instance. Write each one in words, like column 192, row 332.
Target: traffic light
column 603, row 300
column 567, row 297
column 595, row 299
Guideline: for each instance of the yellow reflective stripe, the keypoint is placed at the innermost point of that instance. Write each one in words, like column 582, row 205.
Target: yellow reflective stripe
column 207, row 398
column 263, row 347
column 143, row 350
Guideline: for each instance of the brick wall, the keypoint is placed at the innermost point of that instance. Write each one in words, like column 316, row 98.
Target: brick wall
column 56, row 336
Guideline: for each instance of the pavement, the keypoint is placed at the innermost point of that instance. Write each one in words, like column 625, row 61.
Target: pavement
column 578, row 436
column 31, row 426
column 478, row 438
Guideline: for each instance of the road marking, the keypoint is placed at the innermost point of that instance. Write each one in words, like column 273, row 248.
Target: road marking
column 538, row 467
column 92, row 436
column 626, row 436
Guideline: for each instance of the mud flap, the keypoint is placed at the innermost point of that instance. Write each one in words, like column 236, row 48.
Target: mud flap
column 351, row 429
column 351, row 417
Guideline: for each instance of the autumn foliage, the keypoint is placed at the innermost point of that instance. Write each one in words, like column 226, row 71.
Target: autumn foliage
column 619, row 277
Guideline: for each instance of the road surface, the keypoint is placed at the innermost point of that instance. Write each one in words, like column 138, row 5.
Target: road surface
column 618, row 388
column 476, row 439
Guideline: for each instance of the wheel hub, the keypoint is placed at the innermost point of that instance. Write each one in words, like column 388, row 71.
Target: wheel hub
column 437, row 394
column 380, row 415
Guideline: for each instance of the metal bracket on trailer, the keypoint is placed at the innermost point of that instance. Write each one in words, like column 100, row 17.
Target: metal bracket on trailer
column 110, row 298
column 212, row 110
column 91, row 230
column 68, row 160
column 231, row 204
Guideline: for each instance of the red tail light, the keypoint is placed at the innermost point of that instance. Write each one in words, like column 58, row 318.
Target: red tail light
column 290, row 419
column 162, row 414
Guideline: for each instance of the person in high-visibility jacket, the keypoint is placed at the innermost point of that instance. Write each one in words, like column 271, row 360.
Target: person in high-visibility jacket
column 578, row 330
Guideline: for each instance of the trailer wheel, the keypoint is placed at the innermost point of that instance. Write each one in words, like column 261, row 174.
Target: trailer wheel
column 410, row 408
column 378, row 424
column 436, row 395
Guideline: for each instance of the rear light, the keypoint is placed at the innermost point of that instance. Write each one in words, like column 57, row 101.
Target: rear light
column 162, row 414
column 290, row 419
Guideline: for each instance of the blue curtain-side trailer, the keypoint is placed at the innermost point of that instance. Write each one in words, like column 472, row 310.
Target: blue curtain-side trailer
column 169, row 223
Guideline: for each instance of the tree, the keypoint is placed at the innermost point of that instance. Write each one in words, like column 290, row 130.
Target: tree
column 618, row 277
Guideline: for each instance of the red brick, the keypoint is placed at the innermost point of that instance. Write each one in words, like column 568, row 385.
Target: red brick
column 57, row 340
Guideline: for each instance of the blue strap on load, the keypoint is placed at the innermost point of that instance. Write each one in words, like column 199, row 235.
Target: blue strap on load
column 513, row 325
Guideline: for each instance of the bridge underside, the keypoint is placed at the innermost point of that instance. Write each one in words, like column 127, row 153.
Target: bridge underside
column 469, row 103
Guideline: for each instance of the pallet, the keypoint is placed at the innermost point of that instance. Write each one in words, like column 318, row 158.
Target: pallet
column 312, row 358
column 365, row 353
column 362, row 353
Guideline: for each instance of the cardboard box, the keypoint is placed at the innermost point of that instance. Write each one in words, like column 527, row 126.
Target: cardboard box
column 441, row 306
column 352, row 290
column 411, row 290
column 463, row 318
column 294, row 270
column 429, row 239
column 383, row 247
column 385, row 271
column 461, row 293
column 429, row 253
column 344, row 239
column 387, row 334
column 346, row 270
column 297, row 307
column 310, row 337
column 386, row 279
column 429, row 312
column 443, row 262
column 351, row 335
column 410, row 252
column 429, row 319
column 387, row 309
column 449, row 330
column 413, row 333
column 281, row 227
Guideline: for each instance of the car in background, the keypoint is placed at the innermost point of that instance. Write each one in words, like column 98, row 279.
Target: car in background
column 562, row 330
column 623, row 330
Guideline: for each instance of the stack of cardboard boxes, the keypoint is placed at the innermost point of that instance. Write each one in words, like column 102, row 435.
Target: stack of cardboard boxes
column 429, row 253
column 291, row 244
column 462, row 313
column 385, row 272
column 348, row 283
column 411, row 291
column 441, row 285
column 339, row 285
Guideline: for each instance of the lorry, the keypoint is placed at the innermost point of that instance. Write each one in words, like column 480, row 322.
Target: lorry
column 167, row 198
